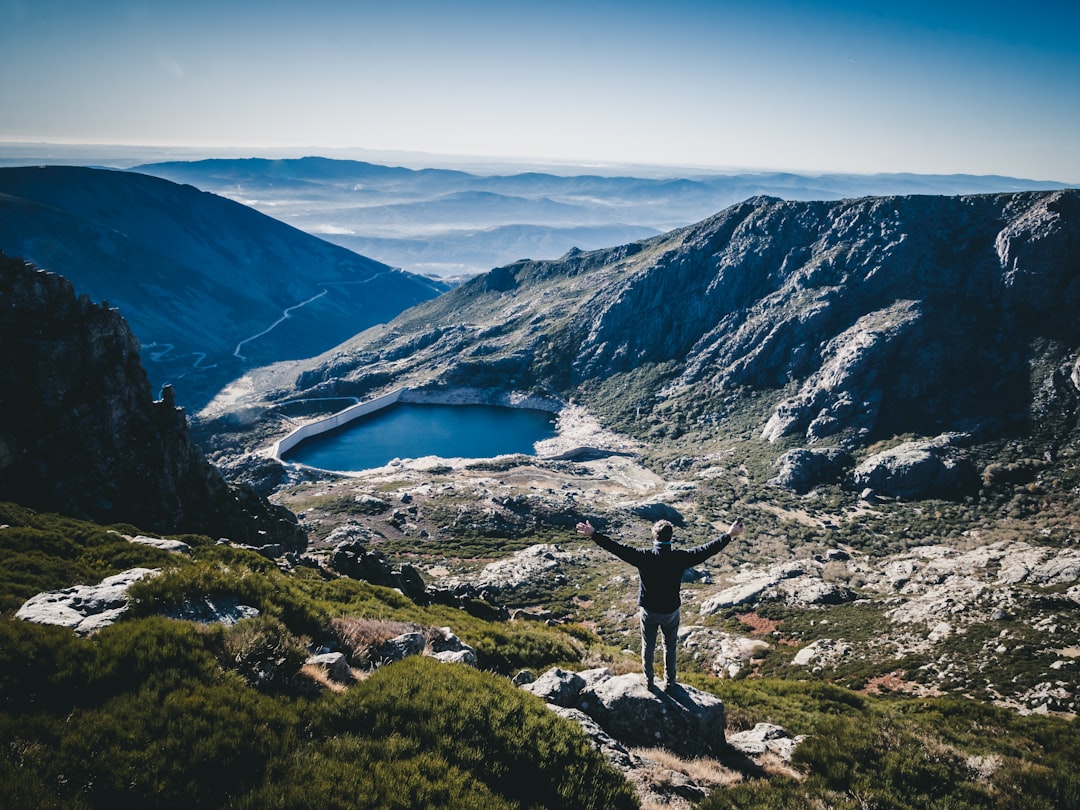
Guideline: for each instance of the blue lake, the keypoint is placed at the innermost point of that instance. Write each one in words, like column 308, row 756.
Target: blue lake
column 410, row 430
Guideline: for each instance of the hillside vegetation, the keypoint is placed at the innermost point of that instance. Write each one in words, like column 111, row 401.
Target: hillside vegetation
column 175, row 714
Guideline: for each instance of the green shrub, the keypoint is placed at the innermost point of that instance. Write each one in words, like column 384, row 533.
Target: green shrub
column 510, row 744
column 508, row 648
column 264, row 652
column 42, row 552
column 269, row 591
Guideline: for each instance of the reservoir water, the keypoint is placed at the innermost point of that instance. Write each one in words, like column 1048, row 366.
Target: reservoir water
column 411, row 430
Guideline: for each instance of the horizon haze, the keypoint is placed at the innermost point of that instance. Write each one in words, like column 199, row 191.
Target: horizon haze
column 971, row 88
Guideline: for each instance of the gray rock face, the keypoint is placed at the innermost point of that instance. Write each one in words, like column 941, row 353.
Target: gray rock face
column 540, row 563
column 335, row 664
column 442, row 645
column 84, row 608
column 352, row 558
column 85, row 438
column 917, row 470
column 729, row 653
column 765, row 737
column 795, row 583
column 800, row 470
column 175, row 546
column 683, row 720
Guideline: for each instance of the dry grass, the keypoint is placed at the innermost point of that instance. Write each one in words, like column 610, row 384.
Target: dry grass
column 702, row 771
column 360, row 638
column 319, row 675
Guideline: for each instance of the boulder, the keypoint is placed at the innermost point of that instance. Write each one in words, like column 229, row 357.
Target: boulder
column 658, row 510
column 543, row 562
column 559, row 687
column 924, row 469
column 335, row 664
column 765, row 738
column 400, row 647
column 730, row 653
column 84, row 608
column 682, row 719
column 220, row 609
column 448, row 648
column 800, row 470
column 351, row 558
column 175, row 546
column 614, row 751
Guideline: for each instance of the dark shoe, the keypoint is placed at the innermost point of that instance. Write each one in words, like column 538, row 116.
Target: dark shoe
column 671, row 686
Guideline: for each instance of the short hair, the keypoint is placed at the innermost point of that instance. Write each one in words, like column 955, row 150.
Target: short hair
column 662, row 531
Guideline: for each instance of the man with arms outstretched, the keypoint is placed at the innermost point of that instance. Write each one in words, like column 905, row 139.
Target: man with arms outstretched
column 660, row 569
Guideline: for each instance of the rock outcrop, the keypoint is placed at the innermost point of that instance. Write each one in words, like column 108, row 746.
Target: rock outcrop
column 801, row 469
column 645, row 733
column 933, row 468
column 682, row 719
column 84, row 608
column 998, row 603
column 80, row 433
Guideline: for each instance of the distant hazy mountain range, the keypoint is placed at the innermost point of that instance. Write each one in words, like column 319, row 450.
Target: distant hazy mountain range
column 449, row 222
column 209, row 286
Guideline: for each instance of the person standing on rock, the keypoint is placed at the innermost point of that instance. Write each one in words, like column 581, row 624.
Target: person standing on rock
column 660, row 570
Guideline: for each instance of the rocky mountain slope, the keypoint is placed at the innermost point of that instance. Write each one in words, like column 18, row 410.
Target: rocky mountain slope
column 209, row 286
column 806, row 324
column 81, row 434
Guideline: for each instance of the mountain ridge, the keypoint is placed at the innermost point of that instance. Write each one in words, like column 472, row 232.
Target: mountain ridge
column 819, row 308
column 342, row 200
column 195, row 274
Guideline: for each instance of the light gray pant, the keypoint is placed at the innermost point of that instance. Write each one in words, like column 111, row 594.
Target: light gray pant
column 650, row 623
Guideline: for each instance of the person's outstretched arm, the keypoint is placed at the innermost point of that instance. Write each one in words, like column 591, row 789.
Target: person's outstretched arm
column 702, row 553
column 624, row 553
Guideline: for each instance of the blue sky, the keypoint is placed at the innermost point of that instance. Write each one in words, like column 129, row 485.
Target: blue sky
column 982, row 88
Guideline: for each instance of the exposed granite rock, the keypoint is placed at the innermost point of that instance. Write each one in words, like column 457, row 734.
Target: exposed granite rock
column 801, row 469
column 730, row 653
column 352, row 558
column 797, row 583
column 765, row 737
column 924, row 469
column 334, row 664
column 174, row 546
column 81, row 435
column 84, row 608
column 682, row 719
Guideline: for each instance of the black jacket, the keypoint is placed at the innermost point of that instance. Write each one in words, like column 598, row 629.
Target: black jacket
column 661, row 568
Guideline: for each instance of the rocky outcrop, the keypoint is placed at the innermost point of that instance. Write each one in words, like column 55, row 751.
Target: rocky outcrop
column 84, row 608
column 80, row 433
column 681, row 719
column 646, row 733
column 798, row 583
column 352, row 558
column 801, row 469
column 924, row 469
column 997, row 603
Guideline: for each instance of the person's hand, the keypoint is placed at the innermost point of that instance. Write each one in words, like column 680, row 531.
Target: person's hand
column 735, row 529
column 586, row 529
